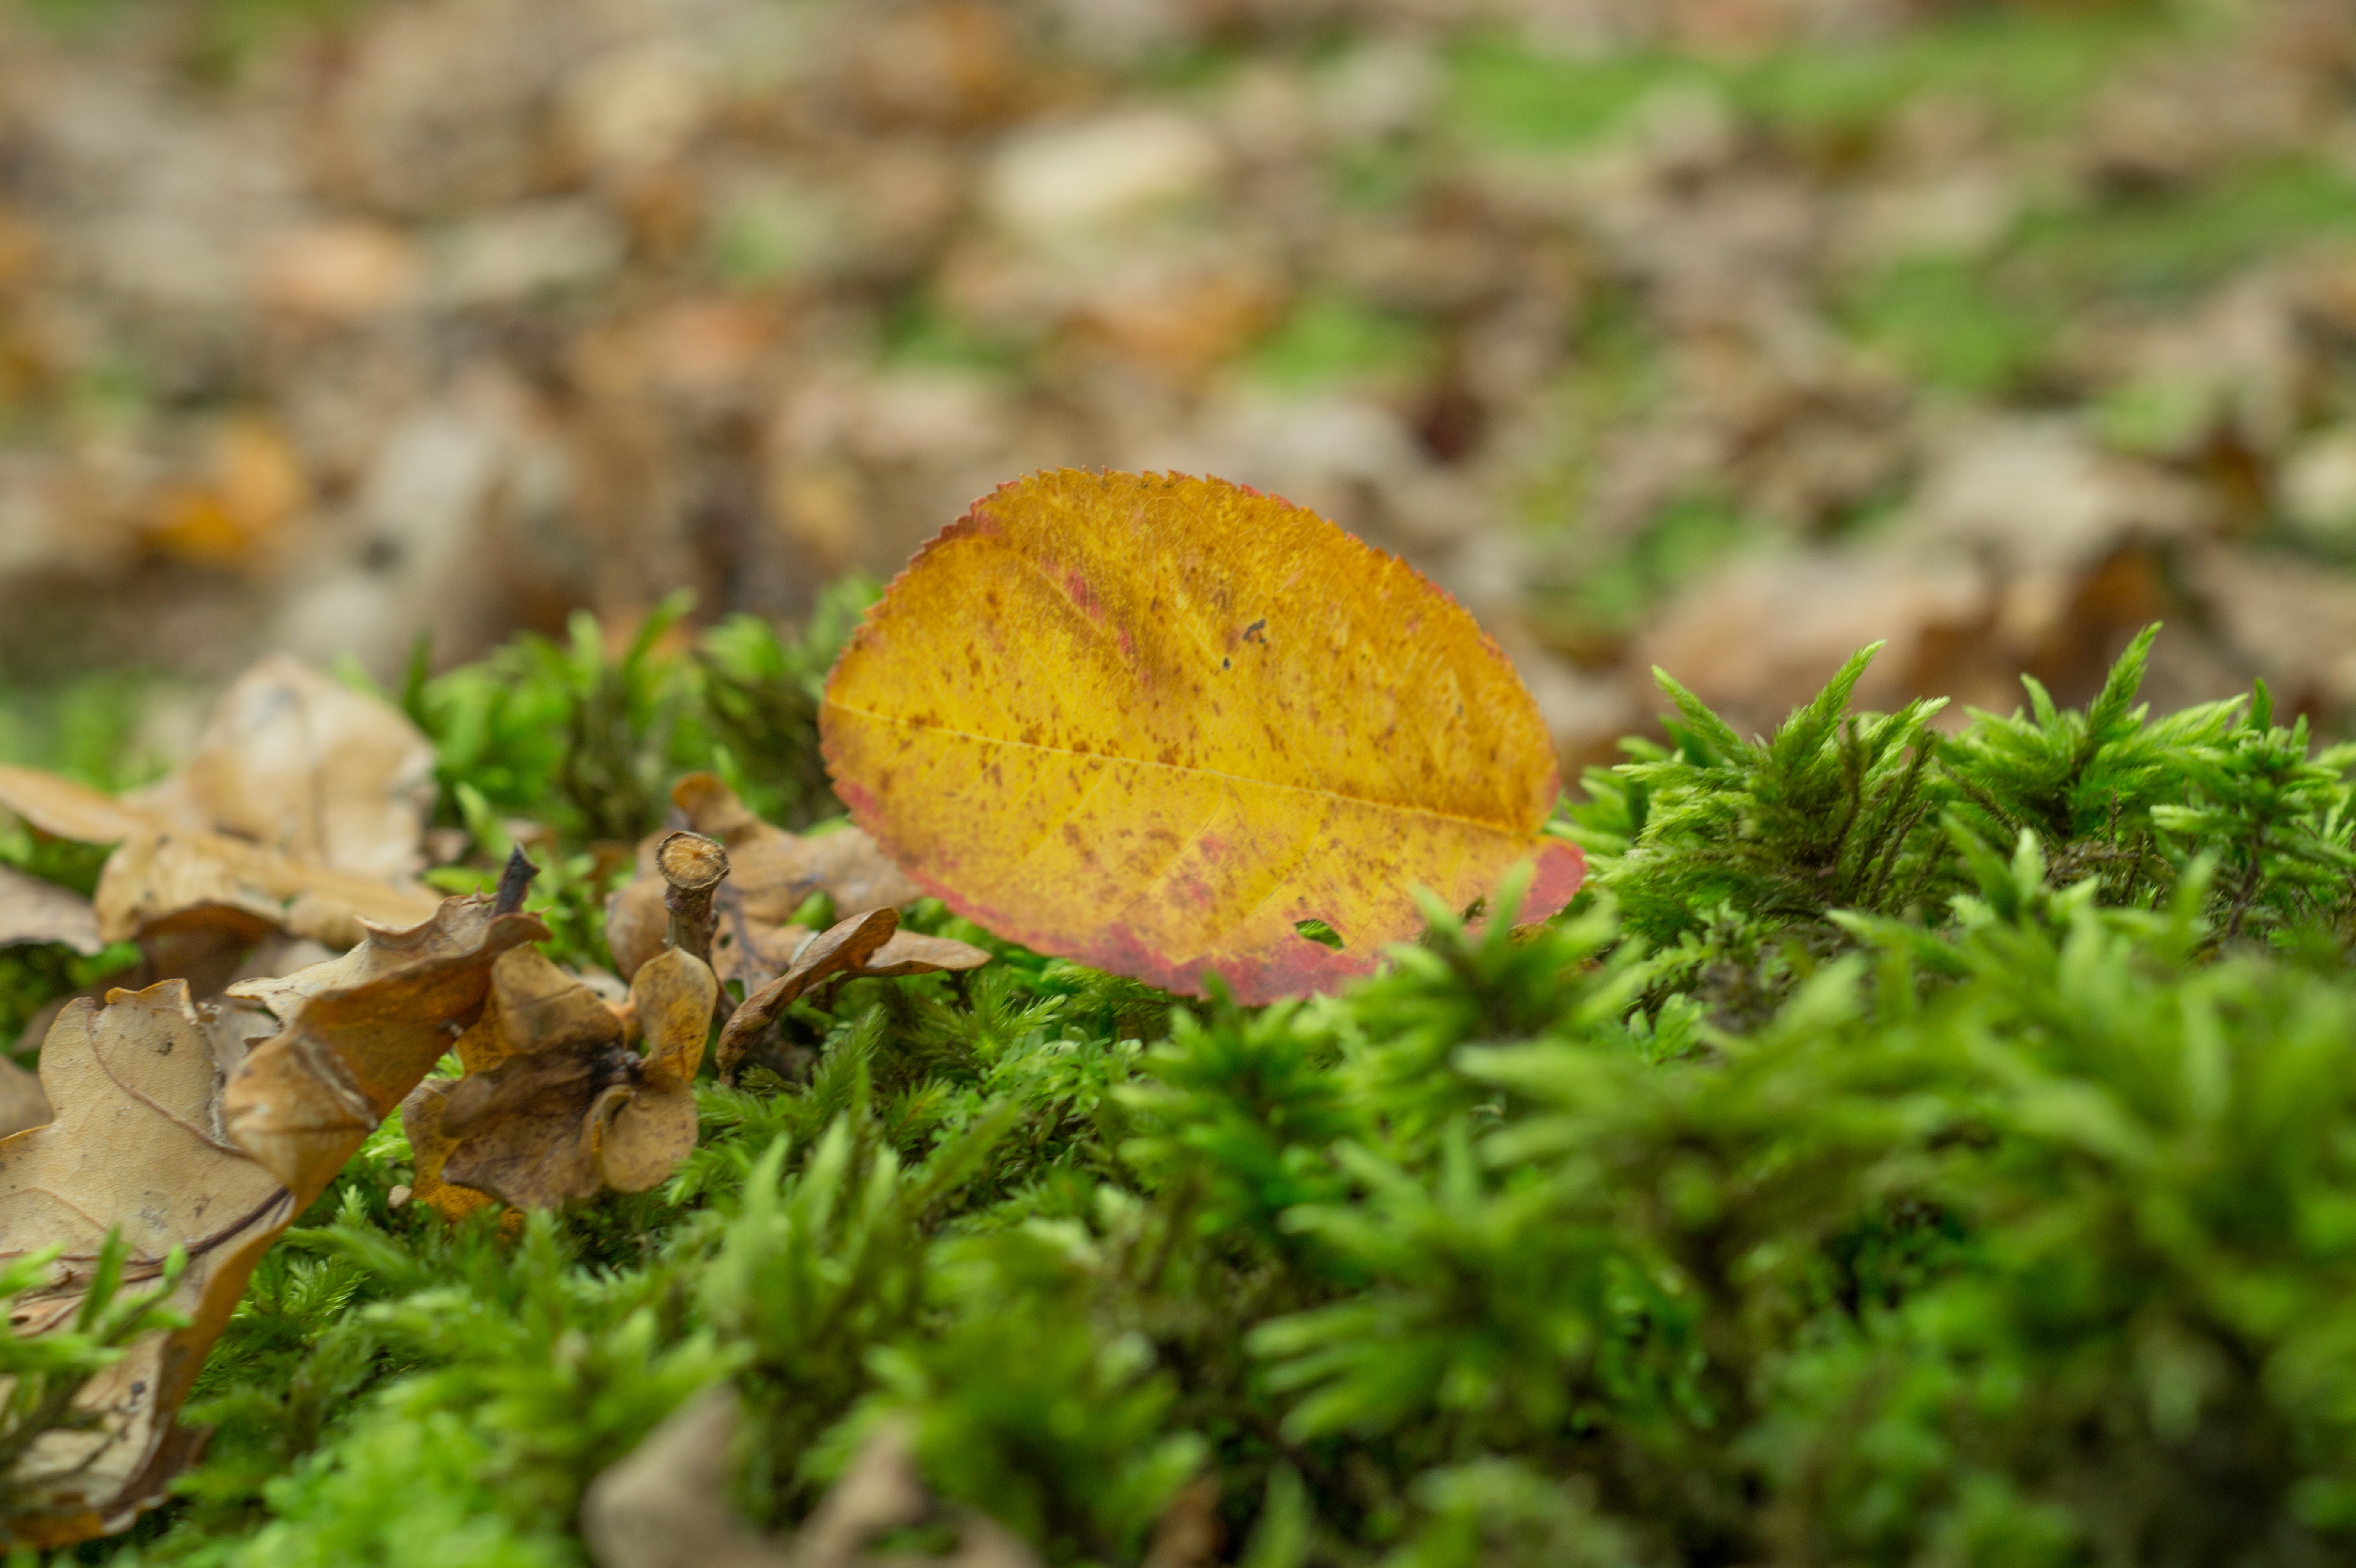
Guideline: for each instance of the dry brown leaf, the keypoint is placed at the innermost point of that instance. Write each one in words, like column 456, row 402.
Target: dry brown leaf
column 1188, row 1533
column 158, row 877
column 778, row 963
column 161, row 872
column 360, row 1033
column 754, row 953
column 64, row 809
column 429, row 1148
column 666, row 1504
column 841, row 949
column 913, row 953
column 770, row 873
column 138, row 1142
column 555, row 1105
column 303, row 810
column 302, row 763
column 22, row 1102
column 33, row 910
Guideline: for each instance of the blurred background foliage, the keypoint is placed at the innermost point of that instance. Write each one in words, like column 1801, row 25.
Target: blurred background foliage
column 1726, row 335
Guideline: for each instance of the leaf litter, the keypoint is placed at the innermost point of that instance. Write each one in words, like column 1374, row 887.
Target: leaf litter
column 1810, row 441
column 1687, row 287
column 196, row 1132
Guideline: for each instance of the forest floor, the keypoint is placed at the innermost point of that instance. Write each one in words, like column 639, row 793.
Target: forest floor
column 1725, row 335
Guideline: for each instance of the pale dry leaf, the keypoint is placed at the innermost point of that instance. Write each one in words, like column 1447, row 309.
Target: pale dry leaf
column 137, row 1142
column 302, row 763
column 23, row 1104
column 64, row 809
column 360, row 1033
column 556, row 1107
column 159, row 872
column 666, row 1504
column 156, row 878
column 33, row 912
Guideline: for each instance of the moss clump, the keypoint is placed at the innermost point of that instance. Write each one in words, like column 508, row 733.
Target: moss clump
column 1913, row 1148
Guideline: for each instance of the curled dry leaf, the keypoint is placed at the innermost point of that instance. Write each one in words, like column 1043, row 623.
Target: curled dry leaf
column 302, row 763
column 666, row 1505
column 360, row 1033
column 33, row 910
column 770, row 873
column 841, row 949
column 1160, row 724
column 913, row 953
column 865, row 946
column 555, row 1105
column 138, row 1143
column 162, row 877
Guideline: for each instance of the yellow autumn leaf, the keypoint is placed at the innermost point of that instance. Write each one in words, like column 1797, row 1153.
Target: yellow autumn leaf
column 1160, row 724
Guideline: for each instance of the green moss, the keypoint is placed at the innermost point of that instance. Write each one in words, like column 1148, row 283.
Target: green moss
column 2034, row 70
column 1330, row 339
column 1911, row 1146
column 2163, row 246
column 1947, row 324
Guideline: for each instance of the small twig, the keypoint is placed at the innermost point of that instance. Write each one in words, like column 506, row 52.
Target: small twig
column 515, row 880
column 693, row 868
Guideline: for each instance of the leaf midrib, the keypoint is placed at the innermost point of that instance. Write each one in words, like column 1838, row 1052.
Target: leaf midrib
column 1315, row 792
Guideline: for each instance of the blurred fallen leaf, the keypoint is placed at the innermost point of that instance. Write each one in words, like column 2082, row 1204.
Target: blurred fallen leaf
column 1158, row 724
column 300, row 762
column 359, row 1033
column 136, row 1143
column 163, row 876
column 33, row 910
column 302, row 811
column 64, row 809
column 336, row 272
column 555, row 1105
column 770, row 873
column 253, row 485
column 666, row 1505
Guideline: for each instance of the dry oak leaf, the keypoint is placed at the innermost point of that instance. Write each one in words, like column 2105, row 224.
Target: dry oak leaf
column 137, row 1141
column 666, row 1505
column 300, row 762
column 163, row 876
column 770, row 873
column 1155, row 723
column 359, row 1033
column 556, row 1105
